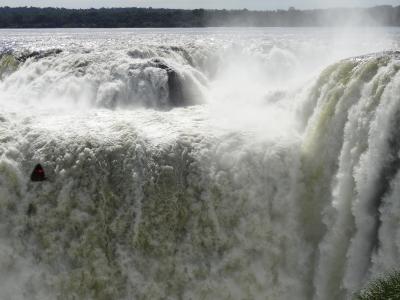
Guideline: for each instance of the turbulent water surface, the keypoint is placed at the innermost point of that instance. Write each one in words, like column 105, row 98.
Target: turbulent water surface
column 198, row 164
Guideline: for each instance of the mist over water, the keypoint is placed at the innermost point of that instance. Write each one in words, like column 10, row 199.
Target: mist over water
column 198, row 163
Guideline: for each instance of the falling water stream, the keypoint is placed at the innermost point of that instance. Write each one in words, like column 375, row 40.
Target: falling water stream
column 198, row 164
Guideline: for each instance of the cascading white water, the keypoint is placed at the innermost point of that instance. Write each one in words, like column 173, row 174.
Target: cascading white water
column 197, row 164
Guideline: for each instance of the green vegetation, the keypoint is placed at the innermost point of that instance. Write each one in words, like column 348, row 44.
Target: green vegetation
column 31, row 17
column 385, row 288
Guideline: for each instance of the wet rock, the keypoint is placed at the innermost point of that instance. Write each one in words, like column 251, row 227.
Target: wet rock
column 178, row 96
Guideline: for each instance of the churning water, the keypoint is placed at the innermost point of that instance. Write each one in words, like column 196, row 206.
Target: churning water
column 198, row 164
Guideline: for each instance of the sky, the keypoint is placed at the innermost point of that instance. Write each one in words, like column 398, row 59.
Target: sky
column 190, row 4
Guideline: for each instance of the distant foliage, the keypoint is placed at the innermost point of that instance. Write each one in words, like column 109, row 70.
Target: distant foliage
column 31, row 17
column 386, row 288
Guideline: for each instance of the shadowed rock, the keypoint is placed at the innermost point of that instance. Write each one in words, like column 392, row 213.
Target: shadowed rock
column 38, row 174
column 178, row 95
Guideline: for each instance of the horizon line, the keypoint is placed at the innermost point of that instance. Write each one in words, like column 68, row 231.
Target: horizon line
column 200, row 8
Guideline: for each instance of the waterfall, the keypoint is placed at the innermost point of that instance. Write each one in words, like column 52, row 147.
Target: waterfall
column 196, row 171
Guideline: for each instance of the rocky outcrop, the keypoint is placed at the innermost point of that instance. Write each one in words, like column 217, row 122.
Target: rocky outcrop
column 178, row 92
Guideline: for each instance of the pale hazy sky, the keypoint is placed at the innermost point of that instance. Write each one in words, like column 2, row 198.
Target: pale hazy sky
column 250, row 4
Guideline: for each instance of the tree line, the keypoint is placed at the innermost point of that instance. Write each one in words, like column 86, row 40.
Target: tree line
column 31, row 17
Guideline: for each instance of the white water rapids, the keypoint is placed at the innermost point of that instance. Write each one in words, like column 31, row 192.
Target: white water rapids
column 198, row 164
